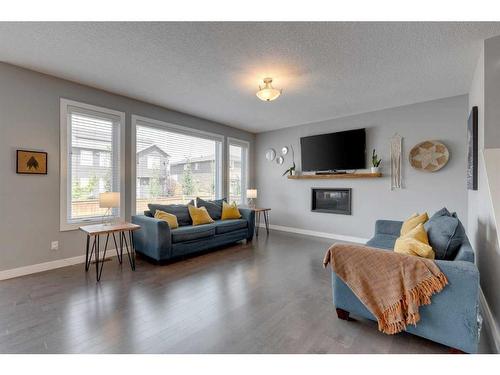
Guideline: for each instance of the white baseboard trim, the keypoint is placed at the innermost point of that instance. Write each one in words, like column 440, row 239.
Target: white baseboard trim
column 46, row 266
column 313, row 233
column 489, row 322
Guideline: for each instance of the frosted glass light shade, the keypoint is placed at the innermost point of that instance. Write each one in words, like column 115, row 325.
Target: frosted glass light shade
column 252, row 193
column 109, row 200
column 268, row 92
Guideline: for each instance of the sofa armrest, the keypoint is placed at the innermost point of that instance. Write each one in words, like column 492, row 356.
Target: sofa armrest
column 457, row 305
column 249, row 215
column 388, row 227
column 154, row 238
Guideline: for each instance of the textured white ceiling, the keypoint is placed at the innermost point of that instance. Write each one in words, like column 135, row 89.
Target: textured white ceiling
column 212, row 70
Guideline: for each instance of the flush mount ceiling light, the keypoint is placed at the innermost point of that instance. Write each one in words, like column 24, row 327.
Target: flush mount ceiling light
column 268, row 92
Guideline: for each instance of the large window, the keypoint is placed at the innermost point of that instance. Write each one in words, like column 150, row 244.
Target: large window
column 174, row 164
column 92, row 160
column 238, row 170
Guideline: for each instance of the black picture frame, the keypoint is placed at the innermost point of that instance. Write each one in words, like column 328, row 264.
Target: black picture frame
column 23, row 169
column 472, row 149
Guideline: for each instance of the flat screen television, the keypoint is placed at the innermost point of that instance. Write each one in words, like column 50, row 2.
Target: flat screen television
column 334, row 151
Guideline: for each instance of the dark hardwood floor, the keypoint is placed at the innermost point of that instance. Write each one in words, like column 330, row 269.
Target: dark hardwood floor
column 269, row 296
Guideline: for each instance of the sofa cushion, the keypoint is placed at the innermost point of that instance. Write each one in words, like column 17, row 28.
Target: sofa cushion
column 189, row 233
column 383, row 241
column 224, row 226
column 179, row 210
column 446, row 234
column 214, row 207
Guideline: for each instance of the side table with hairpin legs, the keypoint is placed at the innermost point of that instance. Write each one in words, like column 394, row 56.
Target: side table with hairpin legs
column 93, row 236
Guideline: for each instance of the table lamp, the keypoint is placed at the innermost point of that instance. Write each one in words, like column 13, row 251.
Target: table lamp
column 251, row 195
column 109, row 200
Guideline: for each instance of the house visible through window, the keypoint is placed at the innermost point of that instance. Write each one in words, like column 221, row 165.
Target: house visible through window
column 90, row 132
column 86, row 157
column 175, row 166
column 238, row 170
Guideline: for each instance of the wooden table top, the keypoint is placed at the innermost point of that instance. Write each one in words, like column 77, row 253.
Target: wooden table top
column 256, row 209
column 108, row 228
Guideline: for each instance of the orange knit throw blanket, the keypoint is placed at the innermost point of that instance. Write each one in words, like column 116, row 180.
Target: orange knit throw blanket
column 392, row 286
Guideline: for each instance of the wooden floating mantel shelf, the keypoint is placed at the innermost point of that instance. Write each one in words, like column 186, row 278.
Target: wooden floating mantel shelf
column 334, row 176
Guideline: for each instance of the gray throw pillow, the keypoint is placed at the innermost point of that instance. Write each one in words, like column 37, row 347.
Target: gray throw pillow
column 446, row 234
column 179, row 210
column 214, row 207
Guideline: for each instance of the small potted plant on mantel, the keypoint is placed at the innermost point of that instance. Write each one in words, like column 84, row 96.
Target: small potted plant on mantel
column 375, row 162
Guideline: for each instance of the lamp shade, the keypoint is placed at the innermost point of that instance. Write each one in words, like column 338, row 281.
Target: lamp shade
column 252, row 193
column 109, row 200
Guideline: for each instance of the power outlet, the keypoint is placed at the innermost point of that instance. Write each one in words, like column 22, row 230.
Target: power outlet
column 54, row 245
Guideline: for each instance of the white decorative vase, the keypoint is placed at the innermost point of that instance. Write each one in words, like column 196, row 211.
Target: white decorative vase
column 375, row 169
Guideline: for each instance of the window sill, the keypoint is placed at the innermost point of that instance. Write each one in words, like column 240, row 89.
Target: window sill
column 75, row 225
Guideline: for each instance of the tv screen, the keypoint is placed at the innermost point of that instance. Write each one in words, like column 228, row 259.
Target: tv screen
column 335, row 151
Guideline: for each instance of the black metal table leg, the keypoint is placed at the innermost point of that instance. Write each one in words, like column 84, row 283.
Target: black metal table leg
column 118, row 254
column 131, row 261
column 89, row 260
column 266, row 219
column 87, row 253
column 132, row 248
column 257, row 219
column 97, row 259
column 99, row 273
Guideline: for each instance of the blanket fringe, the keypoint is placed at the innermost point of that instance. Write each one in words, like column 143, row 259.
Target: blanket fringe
column 396, row 317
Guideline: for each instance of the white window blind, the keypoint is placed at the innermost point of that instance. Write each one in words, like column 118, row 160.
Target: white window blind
column 93, row 161
column 186, row 165
column 238, row 171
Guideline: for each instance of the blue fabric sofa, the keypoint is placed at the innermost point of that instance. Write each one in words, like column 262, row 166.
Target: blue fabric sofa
column 157, row 241
column 452, row 317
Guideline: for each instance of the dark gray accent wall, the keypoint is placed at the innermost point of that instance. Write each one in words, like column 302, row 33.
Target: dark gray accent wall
column 29, row 118
column 372, row 199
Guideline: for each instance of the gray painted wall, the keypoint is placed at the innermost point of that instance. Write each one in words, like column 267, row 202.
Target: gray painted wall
column 482, row 228
column 29, row 118
column 372, row 199
column 492, row 92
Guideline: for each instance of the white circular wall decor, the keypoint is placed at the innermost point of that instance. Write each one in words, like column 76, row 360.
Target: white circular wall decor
column 429, row 156
column 280, row 160
column 284, row 150
column 270, row 154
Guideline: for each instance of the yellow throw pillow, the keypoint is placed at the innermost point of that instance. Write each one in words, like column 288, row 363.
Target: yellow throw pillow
column 169, row 218
column 418, row 233
column 230, row 211
column 415, row 242
column 413, row 221
column 199, row 215
column 411, row 246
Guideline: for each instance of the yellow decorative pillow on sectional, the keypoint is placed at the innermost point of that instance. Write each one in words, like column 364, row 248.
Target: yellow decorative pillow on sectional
column 169, row 218
column 199, row 215
column 415, row 242
column 230, row 211
column 413, row 221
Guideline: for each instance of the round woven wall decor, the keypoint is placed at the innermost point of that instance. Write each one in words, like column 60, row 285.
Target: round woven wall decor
column 429, row 156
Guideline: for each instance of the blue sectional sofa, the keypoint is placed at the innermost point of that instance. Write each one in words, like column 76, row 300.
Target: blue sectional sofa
column 158, row 242
column 452, row 317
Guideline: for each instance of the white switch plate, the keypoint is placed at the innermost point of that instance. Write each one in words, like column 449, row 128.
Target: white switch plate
column 54, row 245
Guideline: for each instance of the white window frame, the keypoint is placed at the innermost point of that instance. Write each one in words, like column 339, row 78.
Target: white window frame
column 246, row 175
column 65, row 157
column 162, row 125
